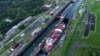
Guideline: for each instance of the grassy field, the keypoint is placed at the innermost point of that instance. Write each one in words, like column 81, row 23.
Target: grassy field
column 93, row 40
column 94, row 36
column 82, row 52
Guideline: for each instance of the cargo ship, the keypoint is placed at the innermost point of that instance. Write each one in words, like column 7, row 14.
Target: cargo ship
column 51, row 40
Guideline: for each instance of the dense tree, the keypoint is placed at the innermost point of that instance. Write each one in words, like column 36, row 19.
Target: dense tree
column 22, row 27
column 17, row 10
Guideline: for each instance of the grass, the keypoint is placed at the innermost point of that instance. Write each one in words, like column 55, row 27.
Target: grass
column 27, row 38
column 72, row 38
column 5, row 48
column 82, row 52
column 93, row 40
column 17, row 39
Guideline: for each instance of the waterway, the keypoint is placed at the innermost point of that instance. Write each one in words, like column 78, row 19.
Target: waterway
column 39, row 40
column 74, row 9
column 36, row 43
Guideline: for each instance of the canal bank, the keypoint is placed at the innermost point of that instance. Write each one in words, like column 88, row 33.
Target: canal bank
column 39, row 49
column 43, row 52
column 34, row 43
column 34, row 40
column 66, row 48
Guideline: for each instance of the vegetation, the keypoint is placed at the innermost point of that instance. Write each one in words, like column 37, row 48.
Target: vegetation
column 22, row 27
column 88, row 52
column 5, row 48
column 17, row 10
column 94, row 36
column 93, row 40
column 82, row 52
column 67, row 46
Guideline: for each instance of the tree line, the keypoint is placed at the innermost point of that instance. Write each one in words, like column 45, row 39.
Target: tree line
column 17, row 10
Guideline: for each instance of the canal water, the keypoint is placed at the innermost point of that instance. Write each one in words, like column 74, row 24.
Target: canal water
column 36, row 43
column 74, row 9
column 70, row 14
column 39, row 40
